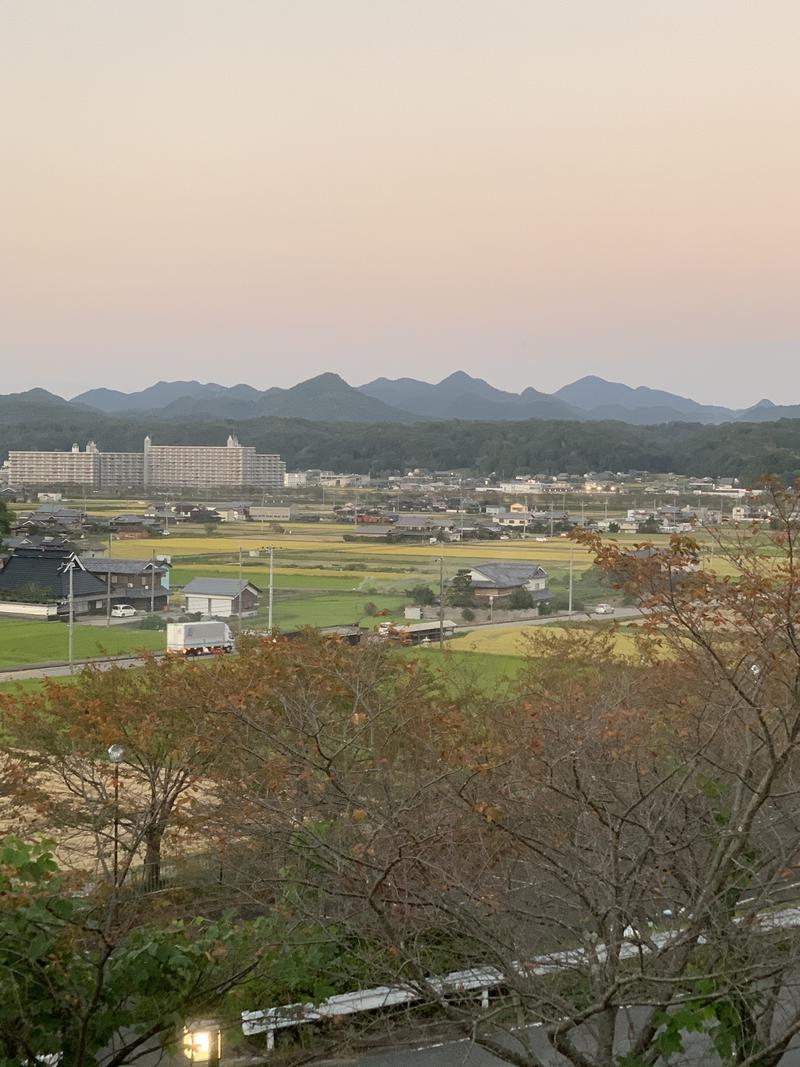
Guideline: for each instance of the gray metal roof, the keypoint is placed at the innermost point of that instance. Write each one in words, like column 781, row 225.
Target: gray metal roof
column 506, row 575
column 218, row 587
column 100, row 565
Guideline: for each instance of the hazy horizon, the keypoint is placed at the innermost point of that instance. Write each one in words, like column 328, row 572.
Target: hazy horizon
column 525, row 190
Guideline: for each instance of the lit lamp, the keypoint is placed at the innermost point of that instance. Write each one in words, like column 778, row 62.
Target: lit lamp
column 202, row 1043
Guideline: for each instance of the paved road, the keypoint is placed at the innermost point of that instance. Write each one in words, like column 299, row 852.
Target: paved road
column 61, row 670
column 550, row 620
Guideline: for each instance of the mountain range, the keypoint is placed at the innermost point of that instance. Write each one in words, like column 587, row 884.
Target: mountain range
column 329, row 398
column 459, row 396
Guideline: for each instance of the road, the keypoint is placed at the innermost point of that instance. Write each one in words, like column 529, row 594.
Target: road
column 550, row 620
column 62, row 670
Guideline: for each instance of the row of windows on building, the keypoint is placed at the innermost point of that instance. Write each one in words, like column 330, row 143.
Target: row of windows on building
column 155, row 467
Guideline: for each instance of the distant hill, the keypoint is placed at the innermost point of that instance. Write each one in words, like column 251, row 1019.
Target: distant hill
column 458, row 396
column 612, row 399
column 161, row 395
column 766, row 411
column 327, row 397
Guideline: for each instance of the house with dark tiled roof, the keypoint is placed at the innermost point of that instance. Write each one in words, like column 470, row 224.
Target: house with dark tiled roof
column 497, row 580
column 35, row 582
column 143, row 583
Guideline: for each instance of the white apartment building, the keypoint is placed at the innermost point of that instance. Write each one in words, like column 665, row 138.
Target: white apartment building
column 118, row 470
column 55, row 468
column 230, row 466
column 210, row 466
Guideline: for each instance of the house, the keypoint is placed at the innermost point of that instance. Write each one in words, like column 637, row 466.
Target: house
column 130, row 527
column 423, row 526
column 515, row 518
column 36, row 541
column 35, row 582
column 222, row 597
column 144, row 583
column 491, row 580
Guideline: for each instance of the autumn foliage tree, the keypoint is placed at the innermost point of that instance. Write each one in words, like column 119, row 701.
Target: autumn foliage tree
column 617, row 842
column 610, row 847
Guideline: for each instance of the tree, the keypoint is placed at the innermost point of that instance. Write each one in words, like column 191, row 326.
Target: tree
column 460, row 593
column 617, row 842
column 421, row 594
column 650, row 525
column 5, row 519
column 162, row 717
column 520, row 599
column 71, row 983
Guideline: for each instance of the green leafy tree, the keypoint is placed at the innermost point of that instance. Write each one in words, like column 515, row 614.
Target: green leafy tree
column 460, row 593
column 520, row 600
column 71, row 981
column 421, row 594
column 5, row 519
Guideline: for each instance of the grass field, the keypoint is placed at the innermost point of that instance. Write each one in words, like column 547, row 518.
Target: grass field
column 484, row 670
column 511, row 640
column 325, row 609
column 44, row 642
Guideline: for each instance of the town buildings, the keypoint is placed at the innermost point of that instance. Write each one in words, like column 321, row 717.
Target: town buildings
column 168, row 467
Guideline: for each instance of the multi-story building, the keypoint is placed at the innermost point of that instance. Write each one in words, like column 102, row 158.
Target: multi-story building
column 210, row 466
column 118, row 470
column 55, row 468
column 231, row 466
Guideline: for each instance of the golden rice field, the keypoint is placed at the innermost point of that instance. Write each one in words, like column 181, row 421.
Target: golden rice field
column 290, row 543
column 513, row 640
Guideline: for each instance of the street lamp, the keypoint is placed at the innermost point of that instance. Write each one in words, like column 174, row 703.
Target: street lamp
column 202, row 1043
column 116, row 754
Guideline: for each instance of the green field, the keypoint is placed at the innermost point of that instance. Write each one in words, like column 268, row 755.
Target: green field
column 324, row 609
column 461, row 669
column 24, row 642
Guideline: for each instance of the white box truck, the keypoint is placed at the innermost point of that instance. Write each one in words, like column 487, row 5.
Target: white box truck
column 198, row 638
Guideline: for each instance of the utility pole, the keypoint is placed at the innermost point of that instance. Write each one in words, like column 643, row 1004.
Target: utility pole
column 108, row 582
column 71, row 621
column 441, row 598
column 153, row 583
column 269, row 600
column 240, row 589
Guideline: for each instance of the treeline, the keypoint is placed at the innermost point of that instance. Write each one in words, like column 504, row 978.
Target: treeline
column 743, row 450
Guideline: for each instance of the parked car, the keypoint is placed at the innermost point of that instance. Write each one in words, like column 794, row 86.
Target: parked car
column 123, row 611
column 604, row 609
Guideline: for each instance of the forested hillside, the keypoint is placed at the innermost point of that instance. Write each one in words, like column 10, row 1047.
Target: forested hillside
column 744, row 450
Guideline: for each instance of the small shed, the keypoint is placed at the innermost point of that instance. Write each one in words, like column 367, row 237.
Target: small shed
column 221, row 597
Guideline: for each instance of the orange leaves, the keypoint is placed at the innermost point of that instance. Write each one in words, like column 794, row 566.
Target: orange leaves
column 489, row 812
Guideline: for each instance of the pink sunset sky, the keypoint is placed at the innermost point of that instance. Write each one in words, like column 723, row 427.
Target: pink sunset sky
column 531, row 191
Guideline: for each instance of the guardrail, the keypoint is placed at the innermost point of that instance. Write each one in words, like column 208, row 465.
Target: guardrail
column 481, row 980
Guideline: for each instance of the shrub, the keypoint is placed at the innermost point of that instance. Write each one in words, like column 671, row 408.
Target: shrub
column 370, row 608
column 520, row 600
column 421, row 594
column 467, row 614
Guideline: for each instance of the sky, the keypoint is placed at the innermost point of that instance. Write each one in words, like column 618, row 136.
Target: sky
column 528, row 190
